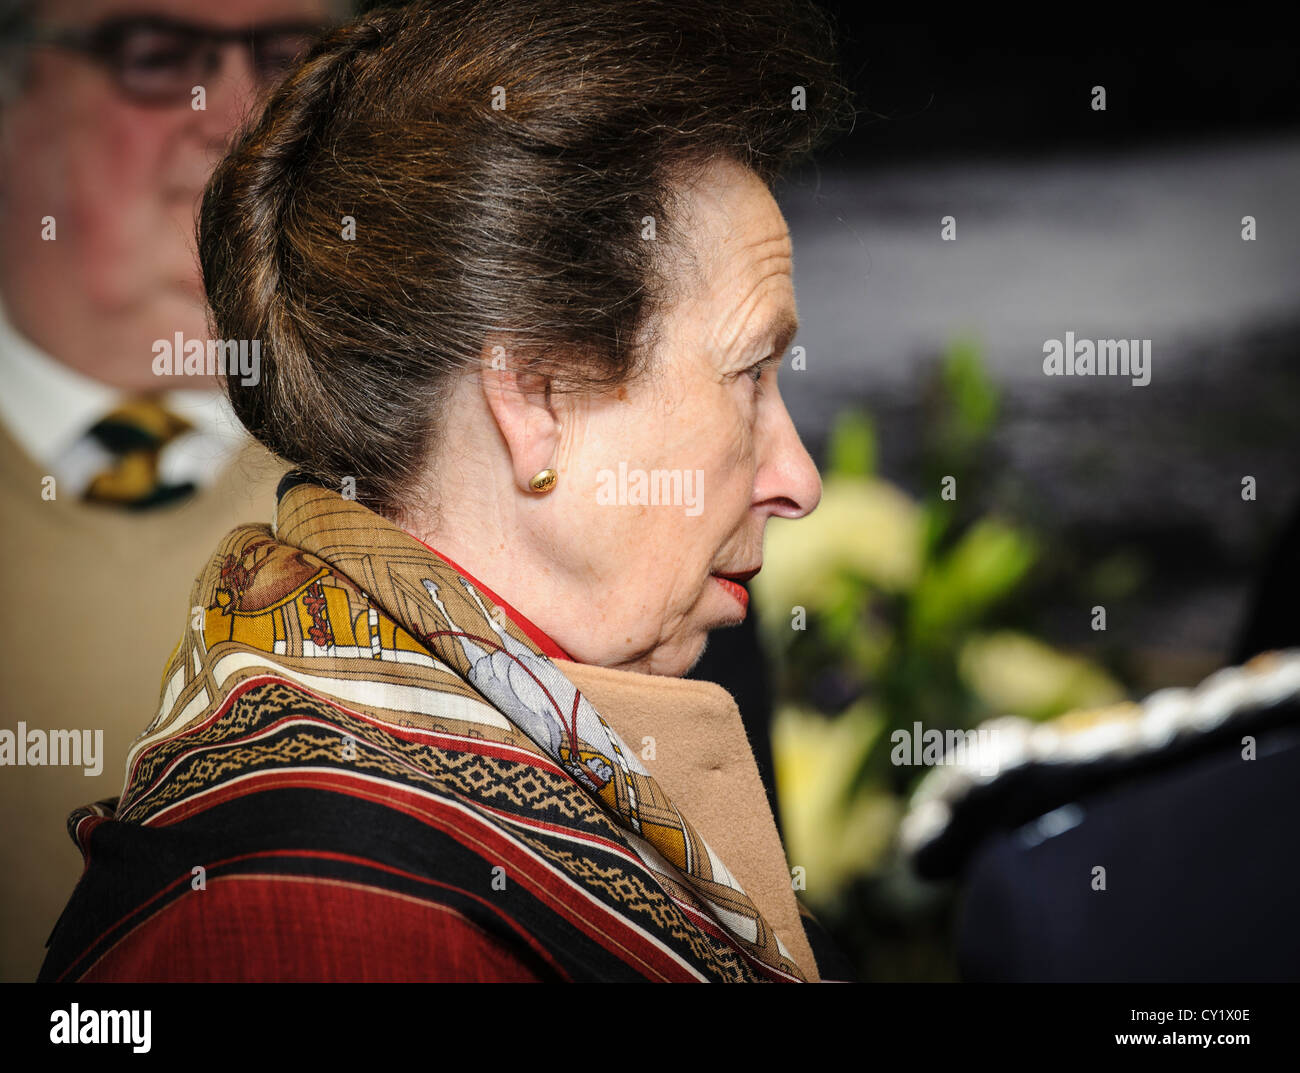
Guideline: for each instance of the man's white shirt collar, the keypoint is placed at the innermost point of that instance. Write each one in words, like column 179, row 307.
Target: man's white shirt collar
column 49, row 408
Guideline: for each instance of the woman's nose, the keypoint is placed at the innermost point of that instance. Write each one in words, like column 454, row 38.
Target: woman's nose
column 787, row 482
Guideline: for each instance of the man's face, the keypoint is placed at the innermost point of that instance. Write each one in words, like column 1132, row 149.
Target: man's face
column 122, row 181
column 711, row 417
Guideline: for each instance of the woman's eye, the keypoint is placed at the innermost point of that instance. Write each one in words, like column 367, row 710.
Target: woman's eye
column 756, row 370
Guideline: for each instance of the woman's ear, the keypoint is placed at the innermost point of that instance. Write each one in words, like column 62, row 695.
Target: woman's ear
column 521, row 405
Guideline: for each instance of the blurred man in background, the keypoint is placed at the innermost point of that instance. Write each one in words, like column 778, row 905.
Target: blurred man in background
column 112, row 115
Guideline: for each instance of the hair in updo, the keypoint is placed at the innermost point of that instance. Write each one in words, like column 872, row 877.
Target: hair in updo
column 523, row 222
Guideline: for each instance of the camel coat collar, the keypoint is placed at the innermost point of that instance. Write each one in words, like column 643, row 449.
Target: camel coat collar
column 690, row 736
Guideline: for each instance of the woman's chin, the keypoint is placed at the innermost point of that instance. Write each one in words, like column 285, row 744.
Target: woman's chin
column 699, row 655
column 669, row 661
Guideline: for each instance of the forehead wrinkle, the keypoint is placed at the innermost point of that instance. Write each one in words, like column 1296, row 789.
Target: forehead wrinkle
column 718, row 245
column 783, row 320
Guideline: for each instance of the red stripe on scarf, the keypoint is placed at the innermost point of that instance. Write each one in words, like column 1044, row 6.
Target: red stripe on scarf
column 534, row 632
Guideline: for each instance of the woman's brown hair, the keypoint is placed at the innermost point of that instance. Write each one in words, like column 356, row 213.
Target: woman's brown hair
column 498, row 163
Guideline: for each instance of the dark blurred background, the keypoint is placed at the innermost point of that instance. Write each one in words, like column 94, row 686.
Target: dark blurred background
column 1122, row 223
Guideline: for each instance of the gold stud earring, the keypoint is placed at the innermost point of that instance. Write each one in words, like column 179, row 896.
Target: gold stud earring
column 544, row 481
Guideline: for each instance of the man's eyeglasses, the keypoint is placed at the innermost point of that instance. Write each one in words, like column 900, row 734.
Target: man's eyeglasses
column 159, row 60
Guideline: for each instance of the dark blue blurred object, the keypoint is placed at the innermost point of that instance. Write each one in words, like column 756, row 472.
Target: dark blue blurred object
column 1202, row 879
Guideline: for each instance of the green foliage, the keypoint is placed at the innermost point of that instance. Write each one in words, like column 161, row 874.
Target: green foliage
column 971, row 401
column 852, row 449
column 961, row 586
column 906, row 604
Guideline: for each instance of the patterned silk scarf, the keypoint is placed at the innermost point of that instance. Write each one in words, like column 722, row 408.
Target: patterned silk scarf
column 452, row 621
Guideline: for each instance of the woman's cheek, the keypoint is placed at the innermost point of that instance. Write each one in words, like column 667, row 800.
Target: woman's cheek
column 742, row 440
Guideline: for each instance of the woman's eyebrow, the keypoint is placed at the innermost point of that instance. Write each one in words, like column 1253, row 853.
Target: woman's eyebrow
column 783, row 327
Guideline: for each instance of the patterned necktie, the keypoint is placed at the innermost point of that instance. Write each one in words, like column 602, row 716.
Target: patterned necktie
column 135, row 435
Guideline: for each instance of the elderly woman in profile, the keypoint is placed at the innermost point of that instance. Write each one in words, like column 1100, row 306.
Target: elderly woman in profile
column 522, row 292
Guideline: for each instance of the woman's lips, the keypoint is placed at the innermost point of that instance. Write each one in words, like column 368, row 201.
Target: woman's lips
column 737, row 591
